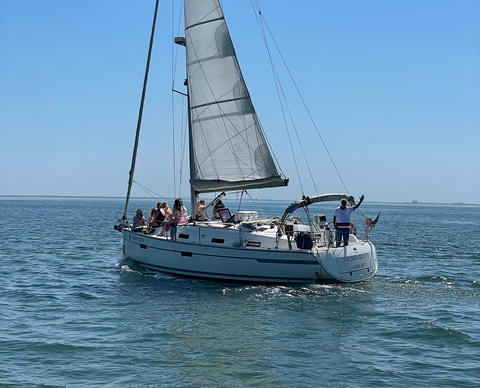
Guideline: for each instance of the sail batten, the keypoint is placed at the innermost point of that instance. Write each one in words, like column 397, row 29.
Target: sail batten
column 229, row 149
column 219, row 102
column 204, row 22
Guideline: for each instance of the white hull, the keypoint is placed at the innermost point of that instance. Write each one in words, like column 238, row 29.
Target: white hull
column 217, row 252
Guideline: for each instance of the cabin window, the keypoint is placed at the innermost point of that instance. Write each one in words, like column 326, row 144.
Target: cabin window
column 187, row 254
column 218, row 240
column 143, row 246
column 254, row 244
column 184, row 236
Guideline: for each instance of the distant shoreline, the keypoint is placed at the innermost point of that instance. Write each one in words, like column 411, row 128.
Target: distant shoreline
column 256, row 199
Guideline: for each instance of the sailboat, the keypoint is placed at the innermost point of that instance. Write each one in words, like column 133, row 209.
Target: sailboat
column 229, row 152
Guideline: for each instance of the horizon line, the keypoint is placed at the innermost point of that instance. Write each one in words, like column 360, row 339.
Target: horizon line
column 413, row 202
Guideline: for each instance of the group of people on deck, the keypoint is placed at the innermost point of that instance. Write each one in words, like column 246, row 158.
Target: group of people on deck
column 162, row 216
column 169, row 219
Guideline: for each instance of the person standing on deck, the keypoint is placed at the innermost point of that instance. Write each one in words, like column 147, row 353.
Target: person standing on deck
column 341, row 220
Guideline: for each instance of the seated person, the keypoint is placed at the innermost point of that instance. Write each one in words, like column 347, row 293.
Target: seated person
column 168, row 211
column 160, row 215
column 138, row 221
column 174, row 220
column 201, row 214
column 216, row 214
column 151, row 223
column 151, row 217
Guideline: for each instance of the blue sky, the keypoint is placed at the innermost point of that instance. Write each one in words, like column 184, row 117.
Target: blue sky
column 393, row 87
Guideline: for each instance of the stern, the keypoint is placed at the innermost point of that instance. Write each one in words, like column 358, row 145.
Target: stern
column 352, row 263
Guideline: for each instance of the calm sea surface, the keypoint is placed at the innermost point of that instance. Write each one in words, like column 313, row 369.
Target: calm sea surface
column 74, row 313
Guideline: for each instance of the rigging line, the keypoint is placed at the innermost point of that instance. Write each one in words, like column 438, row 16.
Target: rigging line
column 240, row 203
column 173, row 144
column 277, row 82
column 280, row 99
column 148, row 191
column 304, row 104
column 298, row 138
column 180, row 170
column 307, row 212
column 288, row 108
column 290, row 114
column 174, row 65
column 359, row 211
column 173, row 141
column 184, row 138
column 290, row 141
column 258, row 207
column 173, row 135
column 280, row 90
column 140, row 113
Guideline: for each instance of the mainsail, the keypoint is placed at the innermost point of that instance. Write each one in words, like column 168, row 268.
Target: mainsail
column 228, row 146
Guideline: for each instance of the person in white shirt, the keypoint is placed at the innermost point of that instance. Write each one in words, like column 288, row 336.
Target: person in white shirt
column 341, row 220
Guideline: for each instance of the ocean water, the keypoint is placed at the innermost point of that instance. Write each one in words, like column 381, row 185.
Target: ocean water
column 74, row 313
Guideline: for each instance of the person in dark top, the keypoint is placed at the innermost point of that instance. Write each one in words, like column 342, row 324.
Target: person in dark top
column 216, row 215
column 161, row 215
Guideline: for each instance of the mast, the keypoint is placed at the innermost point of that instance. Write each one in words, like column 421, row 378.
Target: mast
column 193, row 192
column 180, row 40
column 140, row 113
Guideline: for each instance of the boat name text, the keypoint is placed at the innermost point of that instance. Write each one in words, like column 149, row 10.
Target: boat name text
column 135, row 238
column 361, row 256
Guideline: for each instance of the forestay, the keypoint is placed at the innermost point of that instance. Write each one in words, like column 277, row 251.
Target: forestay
column 229, row 148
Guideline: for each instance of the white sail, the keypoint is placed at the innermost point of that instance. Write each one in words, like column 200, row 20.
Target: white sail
column 229, row 149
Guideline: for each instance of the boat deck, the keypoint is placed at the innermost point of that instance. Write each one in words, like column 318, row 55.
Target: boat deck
column 261, row 234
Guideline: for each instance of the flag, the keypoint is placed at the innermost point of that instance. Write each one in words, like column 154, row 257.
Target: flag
column 372, row 224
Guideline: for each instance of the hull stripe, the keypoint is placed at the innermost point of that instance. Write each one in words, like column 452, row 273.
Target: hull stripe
column 220, row 275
